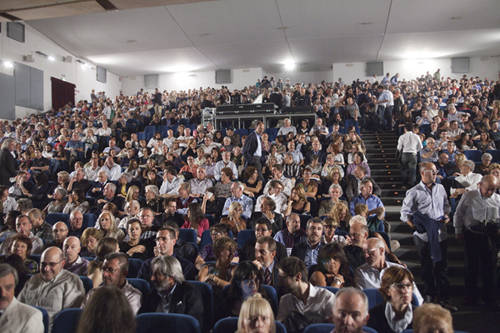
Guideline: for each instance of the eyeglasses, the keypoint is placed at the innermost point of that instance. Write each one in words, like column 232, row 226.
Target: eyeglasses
column 261, row 229
column 401, row 286
column 50, row 264
column 109, row 269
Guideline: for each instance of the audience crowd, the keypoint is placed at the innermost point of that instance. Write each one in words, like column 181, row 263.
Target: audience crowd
column 120, row 203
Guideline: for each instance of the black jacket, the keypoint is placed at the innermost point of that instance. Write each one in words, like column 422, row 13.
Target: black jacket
column 250, row 146
column 378, row 321
column 186, row 299
column 8, row 167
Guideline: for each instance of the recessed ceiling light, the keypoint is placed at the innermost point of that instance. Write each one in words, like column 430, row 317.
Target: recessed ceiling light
column 51, row 58
column 454, row 18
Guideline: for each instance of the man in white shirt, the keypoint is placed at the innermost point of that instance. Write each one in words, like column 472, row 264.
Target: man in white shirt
column 369, row 275
column 314, row 303
column 15, row 316
column 287, row 128
column 171, row 183
column 113, row 170
column 385, row 104
column 225, row 163
column 476, row 221
column 409, row 145
column 278, row 175
column 54, row 288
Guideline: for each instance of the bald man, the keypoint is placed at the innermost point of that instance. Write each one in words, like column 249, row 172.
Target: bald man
column 476, row 222
column 60, row 232
column 73, row 262
column 54, row 288
column 350, row 312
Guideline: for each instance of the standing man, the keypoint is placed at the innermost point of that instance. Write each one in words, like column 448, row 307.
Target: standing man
column 252, row 149
column 385, row 103
column 8, row 165
column 14, row 315
column 476, row 221
column 425, row 209
column 409, row 145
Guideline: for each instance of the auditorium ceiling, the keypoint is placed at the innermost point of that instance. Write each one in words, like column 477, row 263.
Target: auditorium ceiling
column 154, row 36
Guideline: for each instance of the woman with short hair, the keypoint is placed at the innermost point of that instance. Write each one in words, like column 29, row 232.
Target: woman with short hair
column 256, row 315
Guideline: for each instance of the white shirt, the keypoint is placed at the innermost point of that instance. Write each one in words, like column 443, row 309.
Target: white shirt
column 319, row 304
column 469, row 182
column 409, row 143
column 367, row 276
column 114, row 173
column 221, row 165
column 171, row 188
column 474, row 209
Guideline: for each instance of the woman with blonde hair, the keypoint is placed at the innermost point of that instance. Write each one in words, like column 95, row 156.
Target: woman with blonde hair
column 234, row 219
column 256, row 315
column 298, row 203
column 341, row 217
column 133, row 193
column 106, row 222
column 432, row 318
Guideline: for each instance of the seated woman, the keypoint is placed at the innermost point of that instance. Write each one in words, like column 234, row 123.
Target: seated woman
column 153, row 199
column 94, row 269
column 334, row 193
column 234, row 219
column 58, row 203
column 90, row 238
column 431, row 318
column 297, row 203
column 332, row 269
column 207, row 252
column 220, row 274
column 358, row 159
column 268, row 211
column 106, row 223
column 132, row 209
column 485, row 142
column 23, row 276
column 195, row 219
column 341, row 217
column 252, row 182
column 256, row 315
column 484, row 167
column 76, row 200
column 21, row 246
column 133, row 245
column 396, row 313
column 333, row 178
column 246, row 282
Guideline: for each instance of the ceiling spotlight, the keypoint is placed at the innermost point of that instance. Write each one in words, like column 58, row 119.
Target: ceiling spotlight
column 51, row 58
column 84, row 66
column 290, row 66
column 8, row 64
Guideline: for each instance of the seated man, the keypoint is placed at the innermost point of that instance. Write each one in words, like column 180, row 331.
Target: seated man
column 54, row 288
column 287, row 183
column 171, row 293
column 304, row 301
column 292, row 234
column 367, row 197
column 114, row 273
column 60, row 232
column 40, row 228
column 165, row 243
column 369, row 275
column 263, row 228
column 73, row 262
column 308, row 250
column 23, row 227
column 358, row 234
column 76, row 223
column 350, row 312
column 225, row 163
column 280, row 200
column 237, row 195
column 266, row 260
column 16, row 316
column 200, row 184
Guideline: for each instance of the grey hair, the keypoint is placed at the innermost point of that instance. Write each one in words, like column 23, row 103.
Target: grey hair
column 112, row 186
column 486, row 156
column 358, row 219
column 74, row 211
column 152, row 188
column 349, row 291
column 337, row 186
column 7, row 142
column 61, row 190
column 168, row 266
column 470, row 164
column 6, row 269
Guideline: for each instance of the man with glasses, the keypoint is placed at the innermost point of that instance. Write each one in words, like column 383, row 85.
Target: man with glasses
column 54, row 288
column 114, row 273
column 476, row 221
column 369, row 275
column 427, row 203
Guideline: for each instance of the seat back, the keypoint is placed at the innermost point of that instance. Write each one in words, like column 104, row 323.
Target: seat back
column 244, row 236
column 188, row 235
column 230, row 324
column 89, row 220
column 45, row 319
column 66, row 320
column 134, row 265
column 319, row 328
column 332, row 289
column 53, row 218
column 167, row 322
column 87, row 283
column 375, row 298
column 207, row 295
column 273, row 295
column 206, row 239
column 473, row 155
column 140, row 284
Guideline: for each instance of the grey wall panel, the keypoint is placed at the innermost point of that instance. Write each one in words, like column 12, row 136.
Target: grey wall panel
column 36, row 88
column 22, row 78
column 7, row 96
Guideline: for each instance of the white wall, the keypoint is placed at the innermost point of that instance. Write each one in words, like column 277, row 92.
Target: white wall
column 303, row 77
column 241, row 77
column 484, row 67
column 85, row 80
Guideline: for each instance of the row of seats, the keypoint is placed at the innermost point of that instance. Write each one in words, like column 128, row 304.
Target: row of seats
column 475, row 155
